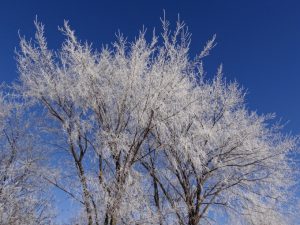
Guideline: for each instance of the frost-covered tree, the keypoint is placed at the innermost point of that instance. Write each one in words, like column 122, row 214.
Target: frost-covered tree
column 221, row 158
column 149, row 139
column 23, row 195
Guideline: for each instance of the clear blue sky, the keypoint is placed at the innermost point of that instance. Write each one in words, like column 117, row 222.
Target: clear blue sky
column 258, row 41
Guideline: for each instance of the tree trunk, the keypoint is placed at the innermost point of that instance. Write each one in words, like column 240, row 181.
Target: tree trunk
column 86, row 194
column 110, row 220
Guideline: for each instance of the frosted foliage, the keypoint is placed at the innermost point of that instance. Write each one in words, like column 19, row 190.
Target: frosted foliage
column 4, row 110
column 20, row 192
column 151, row 139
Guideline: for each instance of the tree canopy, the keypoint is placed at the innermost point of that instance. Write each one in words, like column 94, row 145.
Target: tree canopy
column 135, row 133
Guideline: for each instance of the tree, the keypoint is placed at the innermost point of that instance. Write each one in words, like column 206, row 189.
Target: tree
column 23, row 198
column 141, row 116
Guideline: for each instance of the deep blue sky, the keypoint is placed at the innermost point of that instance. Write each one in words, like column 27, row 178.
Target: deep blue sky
column 258, row 42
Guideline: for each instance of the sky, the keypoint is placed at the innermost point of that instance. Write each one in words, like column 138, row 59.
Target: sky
column 258, row 42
